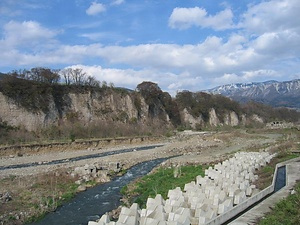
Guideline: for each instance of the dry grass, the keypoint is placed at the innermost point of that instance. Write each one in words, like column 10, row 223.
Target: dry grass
column 266, row 173
column 34, row 196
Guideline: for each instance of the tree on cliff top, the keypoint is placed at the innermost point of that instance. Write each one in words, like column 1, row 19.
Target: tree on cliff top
column 159, row 101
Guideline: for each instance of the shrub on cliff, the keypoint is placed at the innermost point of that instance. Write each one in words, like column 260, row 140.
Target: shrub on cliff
column 29, row 94
column 159, row 101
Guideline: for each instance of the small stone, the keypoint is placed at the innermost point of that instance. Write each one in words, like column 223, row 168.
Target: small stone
column 6, row 197
column 81, row 188
column 79, row 182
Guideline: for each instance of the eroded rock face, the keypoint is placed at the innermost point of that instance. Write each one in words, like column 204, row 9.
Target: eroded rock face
column 18, row 116
column 96, row 106
column 231, row 119
column 85, row 107
column 190, row 120
column 257, row 119
column 213, row 118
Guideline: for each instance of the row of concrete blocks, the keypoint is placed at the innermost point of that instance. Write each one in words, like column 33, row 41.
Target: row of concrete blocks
column 222, row 187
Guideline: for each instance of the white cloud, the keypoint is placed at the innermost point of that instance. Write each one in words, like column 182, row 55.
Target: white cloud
column 246, row 76
column 183, row 18
column 130, row 78
column 94, row 36
column 117, row 2
column 266, row 45
column 285, row 43
column 26, row 33
column 95, row 8
column 271, row 16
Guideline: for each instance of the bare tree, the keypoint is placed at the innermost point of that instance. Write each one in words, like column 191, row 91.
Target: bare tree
column 111, row 85
column 38, row 74
column 66, row 73
column 78, row 76
column 91, row 81
column 104, row 84
column 44, row 75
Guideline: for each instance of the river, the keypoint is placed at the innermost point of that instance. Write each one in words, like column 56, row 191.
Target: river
column 96, row 201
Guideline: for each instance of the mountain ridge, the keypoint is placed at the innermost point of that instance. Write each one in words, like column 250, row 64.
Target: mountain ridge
column 274, row 93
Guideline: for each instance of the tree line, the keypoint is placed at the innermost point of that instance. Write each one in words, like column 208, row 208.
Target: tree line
column 67, row 76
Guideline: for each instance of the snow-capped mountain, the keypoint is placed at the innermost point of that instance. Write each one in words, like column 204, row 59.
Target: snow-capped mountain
column 272, row 92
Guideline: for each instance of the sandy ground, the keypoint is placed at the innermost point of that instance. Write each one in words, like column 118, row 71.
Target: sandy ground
column 193, row 147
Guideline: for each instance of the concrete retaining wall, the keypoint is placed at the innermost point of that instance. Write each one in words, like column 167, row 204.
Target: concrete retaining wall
column 249, row 202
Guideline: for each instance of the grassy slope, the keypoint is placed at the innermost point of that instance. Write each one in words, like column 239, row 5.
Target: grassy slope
column 286, row 212
column 161, row 182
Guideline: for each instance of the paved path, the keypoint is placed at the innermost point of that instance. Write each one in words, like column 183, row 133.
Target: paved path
column 252, row 216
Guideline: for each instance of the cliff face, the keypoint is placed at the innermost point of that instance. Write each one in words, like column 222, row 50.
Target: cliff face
column 229, row 119
column 88, row 106
column 18, row 116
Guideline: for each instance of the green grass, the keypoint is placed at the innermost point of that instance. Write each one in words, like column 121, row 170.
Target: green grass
column 161, row 182
column 266, row 173
column 286, row 212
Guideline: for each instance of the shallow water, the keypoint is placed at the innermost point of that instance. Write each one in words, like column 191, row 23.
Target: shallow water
column 78, row 158
column 96, row 201
column 280, row 180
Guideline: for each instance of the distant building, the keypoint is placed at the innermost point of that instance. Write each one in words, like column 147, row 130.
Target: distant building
column 279, row 125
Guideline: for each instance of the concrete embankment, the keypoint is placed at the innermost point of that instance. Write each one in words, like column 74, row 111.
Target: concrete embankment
column 292, row 175
column 224, row 192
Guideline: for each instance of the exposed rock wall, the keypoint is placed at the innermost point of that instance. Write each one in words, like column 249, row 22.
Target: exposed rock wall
column 18, row 116
column 191, row 121
column 85, row 107
column 231, row 119
column 92, row 106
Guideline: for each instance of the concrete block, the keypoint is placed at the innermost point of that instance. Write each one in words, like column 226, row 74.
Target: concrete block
column 172, row 223
column 216, row 200
column 151, row 203
column 202, row 220
column 239, row 198
column 175, row 193
column 222, row 196
column 159, row 199
column 222, row 209
column 158, row 213
column 200, row 180
column 210, row 214
column 248, row 191
column 168, row 208
column 184, row 213
column 148, row 221
column 94, row 223
column 190, row 186
column 104, row 218
column 146, row 212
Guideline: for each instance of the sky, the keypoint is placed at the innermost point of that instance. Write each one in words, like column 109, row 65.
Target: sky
column 178, row 44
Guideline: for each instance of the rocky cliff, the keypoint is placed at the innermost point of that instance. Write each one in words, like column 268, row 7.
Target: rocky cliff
column 92, row 106
column 88, row 107
column 35, row 106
